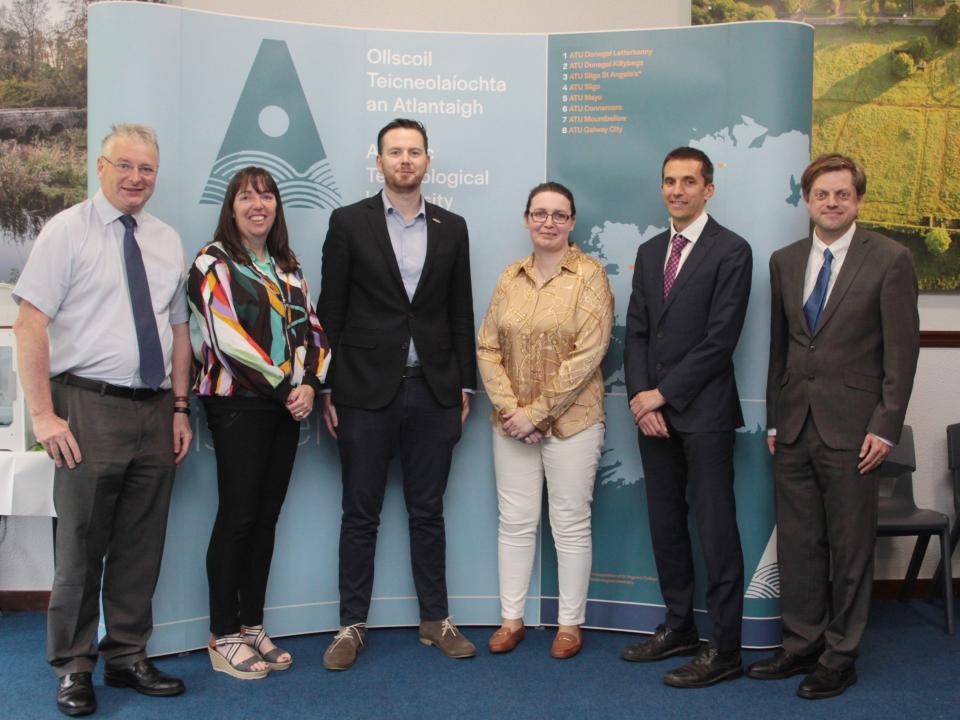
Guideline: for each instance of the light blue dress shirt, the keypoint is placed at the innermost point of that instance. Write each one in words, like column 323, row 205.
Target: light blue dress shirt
column 409, row 241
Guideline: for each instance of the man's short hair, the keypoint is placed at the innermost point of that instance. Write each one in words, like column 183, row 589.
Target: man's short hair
column 689, row 153
column 405, row 123
column 144, row 133
column 833, row 162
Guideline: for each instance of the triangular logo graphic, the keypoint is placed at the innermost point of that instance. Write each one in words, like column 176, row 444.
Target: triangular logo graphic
column 765, row 583
column 273, row 128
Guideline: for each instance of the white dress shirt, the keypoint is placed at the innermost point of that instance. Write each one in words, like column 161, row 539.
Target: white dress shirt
column 692, row 233
column 76, row 276
column 838, row 248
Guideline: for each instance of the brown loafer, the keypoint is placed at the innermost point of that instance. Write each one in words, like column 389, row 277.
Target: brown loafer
column 565, row 646
column 504, row 639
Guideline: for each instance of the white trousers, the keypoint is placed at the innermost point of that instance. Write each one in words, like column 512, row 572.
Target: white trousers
column 570, row 467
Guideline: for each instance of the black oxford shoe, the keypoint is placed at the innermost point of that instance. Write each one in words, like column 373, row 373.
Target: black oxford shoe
column 823, row 682
column 782, row 665
column 145, row 678
column 663, row 644
column 709, row 667
column 75, row 694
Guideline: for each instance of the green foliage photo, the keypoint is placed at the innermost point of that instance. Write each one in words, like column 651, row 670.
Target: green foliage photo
column 937, row 240
column 948, row 29
column 871, row 101
column 902, row 65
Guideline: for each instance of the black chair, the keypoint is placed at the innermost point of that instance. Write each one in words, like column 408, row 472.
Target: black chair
column 953, row 461
column 899, row 516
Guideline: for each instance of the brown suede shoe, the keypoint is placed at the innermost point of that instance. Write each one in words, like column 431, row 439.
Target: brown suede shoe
column 346, row 645
column 504, row 639
column 444, row 634
column 565, row 646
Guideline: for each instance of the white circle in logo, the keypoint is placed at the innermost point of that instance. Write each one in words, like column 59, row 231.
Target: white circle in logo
column 274, row 120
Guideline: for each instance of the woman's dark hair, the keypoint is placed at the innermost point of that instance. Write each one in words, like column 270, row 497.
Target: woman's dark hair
column 278, row 242
column 550, row 186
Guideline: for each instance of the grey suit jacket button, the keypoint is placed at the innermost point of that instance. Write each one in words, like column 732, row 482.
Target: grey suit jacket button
column 810, row 377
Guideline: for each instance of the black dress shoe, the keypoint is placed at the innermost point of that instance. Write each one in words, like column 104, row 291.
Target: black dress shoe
column 823, row 682
column 145, row 678
column 662, row 644
column 710, row 666
column 782, row 665
column 75, row 694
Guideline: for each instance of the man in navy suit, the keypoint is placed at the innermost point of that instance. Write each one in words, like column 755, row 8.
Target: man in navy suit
column 397, row 307
column 690, row 291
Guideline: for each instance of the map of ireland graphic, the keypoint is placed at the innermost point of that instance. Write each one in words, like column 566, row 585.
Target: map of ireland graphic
column 273, row 128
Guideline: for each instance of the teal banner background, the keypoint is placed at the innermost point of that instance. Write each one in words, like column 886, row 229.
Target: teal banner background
column 493, row 106
column 741, row 93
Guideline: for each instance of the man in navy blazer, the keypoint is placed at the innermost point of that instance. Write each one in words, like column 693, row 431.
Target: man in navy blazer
column 690, row 291
column 397, row 306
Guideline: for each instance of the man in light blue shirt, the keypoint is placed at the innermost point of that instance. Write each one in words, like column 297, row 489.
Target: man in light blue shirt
column 102, row 339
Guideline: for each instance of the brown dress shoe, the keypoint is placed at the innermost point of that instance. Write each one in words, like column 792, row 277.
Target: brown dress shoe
column 504, row 639
column 565, row 646
column 346, row 645
column 444, row 634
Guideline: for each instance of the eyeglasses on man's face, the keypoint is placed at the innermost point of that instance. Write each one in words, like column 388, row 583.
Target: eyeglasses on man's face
column 125, row 168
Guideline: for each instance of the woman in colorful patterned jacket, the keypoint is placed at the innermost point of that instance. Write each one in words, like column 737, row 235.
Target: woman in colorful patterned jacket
column 264, row 355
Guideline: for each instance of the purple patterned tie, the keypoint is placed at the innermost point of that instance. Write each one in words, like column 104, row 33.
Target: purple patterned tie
column 673, row 263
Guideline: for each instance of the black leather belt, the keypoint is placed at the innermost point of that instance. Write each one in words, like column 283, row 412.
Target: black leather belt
column 106, row 388
column 413, row 371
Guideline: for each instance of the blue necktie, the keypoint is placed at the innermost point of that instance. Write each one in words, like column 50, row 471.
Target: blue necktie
column 152, row 370
column 814, row 304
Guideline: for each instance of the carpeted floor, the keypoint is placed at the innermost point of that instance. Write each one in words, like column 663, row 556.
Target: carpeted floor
column 909, row 669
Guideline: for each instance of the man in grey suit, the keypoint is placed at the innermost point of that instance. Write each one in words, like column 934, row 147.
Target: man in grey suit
column 844, row 340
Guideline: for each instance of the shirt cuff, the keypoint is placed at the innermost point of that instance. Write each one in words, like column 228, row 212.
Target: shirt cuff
column 771, row 432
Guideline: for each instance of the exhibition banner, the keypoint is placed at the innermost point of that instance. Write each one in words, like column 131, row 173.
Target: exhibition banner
column 596, row 111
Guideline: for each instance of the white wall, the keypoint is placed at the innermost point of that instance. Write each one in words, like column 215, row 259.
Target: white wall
column 493, row 16
column 940, row 311
column 934, row 405
column 26, row 553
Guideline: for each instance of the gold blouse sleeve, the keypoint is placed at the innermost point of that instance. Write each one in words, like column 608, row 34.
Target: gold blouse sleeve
column 489, row 353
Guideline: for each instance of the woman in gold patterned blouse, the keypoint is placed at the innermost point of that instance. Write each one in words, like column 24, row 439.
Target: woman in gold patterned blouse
column 540, row 348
